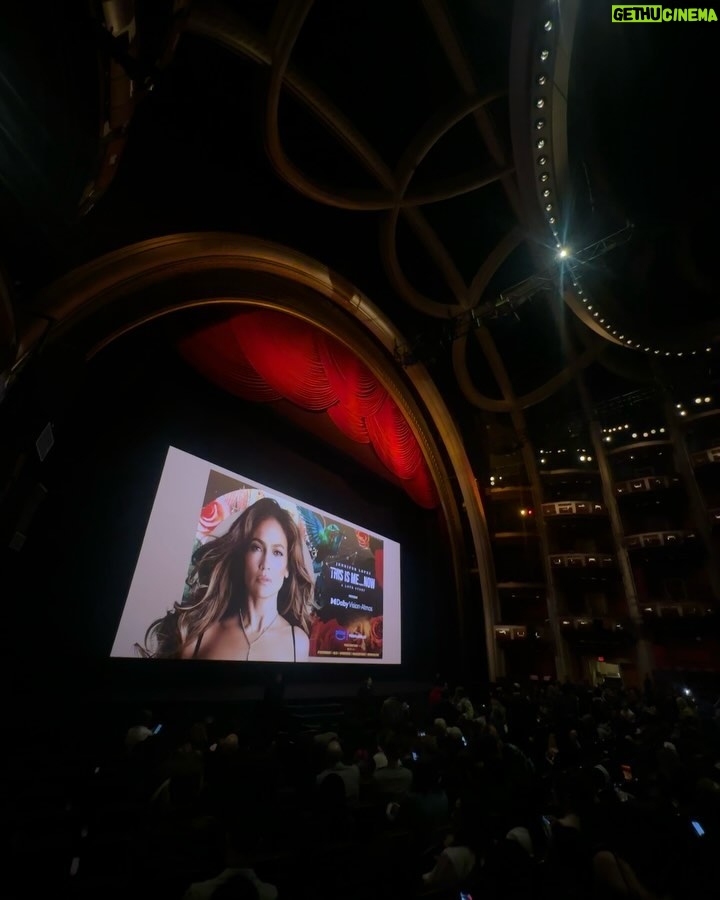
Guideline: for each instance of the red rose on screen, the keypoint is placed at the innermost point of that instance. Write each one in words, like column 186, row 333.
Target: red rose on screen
column 211, row 516
column 376, row 633
column 322, row 636
column 363, row 539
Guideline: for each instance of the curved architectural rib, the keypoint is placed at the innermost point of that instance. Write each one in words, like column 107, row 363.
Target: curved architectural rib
column 227, row 29
column 445, row 32
column 529, row 460
column 438, row 126
column 235, row 35
column 491, row 264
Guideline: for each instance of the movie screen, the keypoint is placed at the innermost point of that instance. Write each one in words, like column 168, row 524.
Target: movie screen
column 233, row 570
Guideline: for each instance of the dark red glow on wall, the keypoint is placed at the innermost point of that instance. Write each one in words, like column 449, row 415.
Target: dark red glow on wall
column 265, row 355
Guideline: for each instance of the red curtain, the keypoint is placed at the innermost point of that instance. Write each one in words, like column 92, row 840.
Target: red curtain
column 265, row 355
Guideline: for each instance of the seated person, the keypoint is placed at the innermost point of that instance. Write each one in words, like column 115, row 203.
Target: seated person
column 331, row 818
column 393, row 781
column 458, row 858
column 136, row 734
column 350, row 774
column 463, row 704
column 237, row 875
column 425, row 810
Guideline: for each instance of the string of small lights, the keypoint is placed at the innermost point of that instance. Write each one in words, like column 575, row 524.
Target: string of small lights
column 544, row 83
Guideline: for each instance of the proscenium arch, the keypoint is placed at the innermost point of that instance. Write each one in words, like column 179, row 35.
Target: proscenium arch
column 120, row 291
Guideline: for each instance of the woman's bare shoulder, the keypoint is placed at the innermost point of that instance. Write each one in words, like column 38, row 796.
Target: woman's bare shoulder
column 302, row 645
column 208, row 639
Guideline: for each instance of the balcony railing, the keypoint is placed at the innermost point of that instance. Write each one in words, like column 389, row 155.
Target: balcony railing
column 658, row 539
column 638, row 445
column 510, row 632
column 573, row 508
column 651, row 483
column 703, row 457
column 667, row 610
column 582, row 560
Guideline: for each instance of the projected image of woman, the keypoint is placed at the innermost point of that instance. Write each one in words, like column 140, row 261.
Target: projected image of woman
column 249, row 598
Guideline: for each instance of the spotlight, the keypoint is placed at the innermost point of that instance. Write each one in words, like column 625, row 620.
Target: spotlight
column 563, row 253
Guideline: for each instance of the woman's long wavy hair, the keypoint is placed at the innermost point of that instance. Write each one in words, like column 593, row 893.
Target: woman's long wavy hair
column 216, row 584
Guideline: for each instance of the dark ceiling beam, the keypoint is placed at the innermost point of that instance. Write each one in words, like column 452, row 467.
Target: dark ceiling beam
column 416, row 152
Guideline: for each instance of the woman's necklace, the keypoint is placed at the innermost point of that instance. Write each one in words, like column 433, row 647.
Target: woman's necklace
column 255, row 640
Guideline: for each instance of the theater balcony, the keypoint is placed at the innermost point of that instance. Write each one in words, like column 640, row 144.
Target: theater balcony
column 527, row 650
column 511, row 521
column 591, row 597
column 671, row 575
column 518, row 563
column 666, row 561
column 658, row 539
column 584, row 565
column 580, row 527
column 705, row 457
column 642, row 458
column 664, row 509
column 523, row 602
column 599, row 638
column 706, row 472
column 576, row 626
column 655, row 483
column 701, row 421
column 504, row 633
column 675, row 624
column 573, row 508
column 666, row 613
column 578, row 484
column 703, row 442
